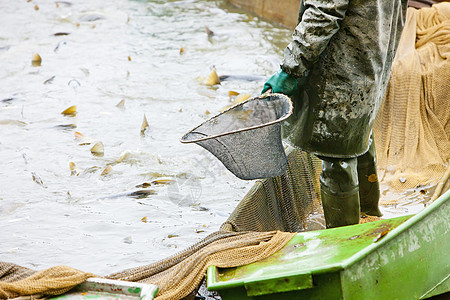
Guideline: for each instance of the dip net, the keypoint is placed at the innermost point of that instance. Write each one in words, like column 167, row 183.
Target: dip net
column 413, row 149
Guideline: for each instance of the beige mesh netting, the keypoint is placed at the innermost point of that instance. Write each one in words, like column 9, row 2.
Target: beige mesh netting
column 176, row 276
column 412, row 127
column 290, row 202
column 19, row 281
column 412, row 144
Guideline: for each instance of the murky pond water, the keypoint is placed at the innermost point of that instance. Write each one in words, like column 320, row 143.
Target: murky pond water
column 95, row 54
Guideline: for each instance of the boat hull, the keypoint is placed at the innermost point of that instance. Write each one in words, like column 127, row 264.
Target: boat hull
column 399, row 258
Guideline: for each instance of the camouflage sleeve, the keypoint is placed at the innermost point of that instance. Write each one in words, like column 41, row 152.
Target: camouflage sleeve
column 320, row 21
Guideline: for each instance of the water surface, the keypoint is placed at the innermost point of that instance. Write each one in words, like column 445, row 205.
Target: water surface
column 95, row 54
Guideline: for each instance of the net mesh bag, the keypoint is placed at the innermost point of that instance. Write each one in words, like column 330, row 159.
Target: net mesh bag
column 246, row 138
column 411, row 137
column 290, row 202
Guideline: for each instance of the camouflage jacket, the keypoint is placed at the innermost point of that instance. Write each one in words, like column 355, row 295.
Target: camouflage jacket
column 341, row 53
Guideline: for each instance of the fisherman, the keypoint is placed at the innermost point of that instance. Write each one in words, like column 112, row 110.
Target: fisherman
column 336, row 69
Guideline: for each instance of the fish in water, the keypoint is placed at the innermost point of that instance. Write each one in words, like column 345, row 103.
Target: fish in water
column 239, row 98
column 37, row 179
column 144, row 185
column 74, row 170
column 82, row 139
column 7, row 100
column 139, row 194
column 50, row 80
column 36, row 60
column 65, row 3
column 71, row 111
column 209, row 32
column 212, row 78
column 154, row 182
column 107, row 170
column 142, row 194
column 242, row 77
column 66, row 126
column 232, row 93
column 12, row 122
column 144, row 125
column 92, row 17
column 121, row 104
column 98, row 149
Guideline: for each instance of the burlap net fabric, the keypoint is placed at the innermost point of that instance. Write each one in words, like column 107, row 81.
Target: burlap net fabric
column 412, row 128
column 18, row 281
column 412, row 141
column 176, row 276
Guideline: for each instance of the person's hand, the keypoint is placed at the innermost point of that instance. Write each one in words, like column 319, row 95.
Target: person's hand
column 281, row 82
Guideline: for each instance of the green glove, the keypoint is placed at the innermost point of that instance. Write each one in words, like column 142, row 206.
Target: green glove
column 281, row 82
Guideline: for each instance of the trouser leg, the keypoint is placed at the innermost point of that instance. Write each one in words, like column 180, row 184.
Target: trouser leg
column 340, row 191
column 369, row 188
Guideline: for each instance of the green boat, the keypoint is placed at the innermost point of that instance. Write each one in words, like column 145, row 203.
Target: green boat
column 106, row 289
column 400, row 258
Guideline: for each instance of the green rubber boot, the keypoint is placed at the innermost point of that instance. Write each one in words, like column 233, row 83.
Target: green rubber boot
column 339, row 191
column 369, row 187
column 340, row 210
